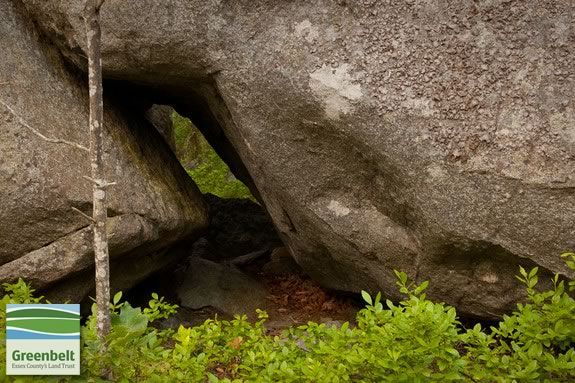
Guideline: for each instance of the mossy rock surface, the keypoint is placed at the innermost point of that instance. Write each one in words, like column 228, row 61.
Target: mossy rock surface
column 202, row 163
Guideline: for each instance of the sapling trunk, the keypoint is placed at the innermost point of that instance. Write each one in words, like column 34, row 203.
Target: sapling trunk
column 102, row 262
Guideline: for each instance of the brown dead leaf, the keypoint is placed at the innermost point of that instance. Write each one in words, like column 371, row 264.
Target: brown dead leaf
column 236, row 343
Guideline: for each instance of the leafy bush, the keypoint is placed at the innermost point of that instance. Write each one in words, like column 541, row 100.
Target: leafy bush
column 414, row 340
column 535, row 343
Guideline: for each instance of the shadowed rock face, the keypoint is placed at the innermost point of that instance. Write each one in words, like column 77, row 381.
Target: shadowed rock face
column 432, row 137
column 41, row 238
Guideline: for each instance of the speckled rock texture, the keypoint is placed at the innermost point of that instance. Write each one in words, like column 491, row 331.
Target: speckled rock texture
column 41, row 238
column 435, row 137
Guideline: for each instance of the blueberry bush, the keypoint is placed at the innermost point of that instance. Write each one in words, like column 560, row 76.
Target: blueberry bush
column 415, row 340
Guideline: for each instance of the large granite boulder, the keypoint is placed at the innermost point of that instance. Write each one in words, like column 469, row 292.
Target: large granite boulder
column 42, row 239
column 433, row 137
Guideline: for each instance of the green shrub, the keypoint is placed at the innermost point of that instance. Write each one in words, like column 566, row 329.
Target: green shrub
column 414, row 340
column 535, row 343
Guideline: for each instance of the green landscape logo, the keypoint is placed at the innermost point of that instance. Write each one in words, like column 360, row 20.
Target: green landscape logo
column 43, row 339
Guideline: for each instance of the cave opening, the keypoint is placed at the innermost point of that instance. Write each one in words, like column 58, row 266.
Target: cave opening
column 239, row 263
column 196, row 155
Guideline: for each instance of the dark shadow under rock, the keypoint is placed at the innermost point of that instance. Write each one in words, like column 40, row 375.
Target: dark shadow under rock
column 238, row 227
column 223, row 287
column 281, row 263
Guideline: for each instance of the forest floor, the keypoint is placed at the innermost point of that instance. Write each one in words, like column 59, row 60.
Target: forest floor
column 292, row 300
column 295, row 300
column 239, row 250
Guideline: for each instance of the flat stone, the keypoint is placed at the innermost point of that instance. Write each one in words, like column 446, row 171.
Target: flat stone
column 223, row 287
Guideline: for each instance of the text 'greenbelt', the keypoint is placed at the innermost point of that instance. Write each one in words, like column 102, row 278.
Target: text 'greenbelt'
column 50, row 356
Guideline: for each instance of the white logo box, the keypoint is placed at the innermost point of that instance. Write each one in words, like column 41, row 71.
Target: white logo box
column 43, row 339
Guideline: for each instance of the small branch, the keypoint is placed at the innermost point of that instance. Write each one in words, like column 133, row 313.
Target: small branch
column 83, row 215
column 468, row 376
column 47, row 139
column 100, row 183
column 250, row 257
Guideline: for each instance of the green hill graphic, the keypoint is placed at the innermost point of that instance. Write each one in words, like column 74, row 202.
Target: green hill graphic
column 41, row 313
column 52, row 325
column 34, row 322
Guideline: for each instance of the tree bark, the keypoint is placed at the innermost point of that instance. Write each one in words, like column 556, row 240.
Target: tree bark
column 101, row 255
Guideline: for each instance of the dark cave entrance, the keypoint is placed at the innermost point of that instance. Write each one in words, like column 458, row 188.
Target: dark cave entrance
column 239, row 264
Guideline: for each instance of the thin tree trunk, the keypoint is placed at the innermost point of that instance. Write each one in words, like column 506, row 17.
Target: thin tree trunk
column 101, row 255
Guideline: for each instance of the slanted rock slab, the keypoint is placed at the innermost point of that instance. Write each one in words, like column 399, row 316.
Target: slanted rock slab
column 153, row 204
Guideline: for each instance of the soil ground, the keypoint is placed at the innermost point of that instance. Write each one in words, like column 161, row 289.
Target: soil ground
column 292, row 300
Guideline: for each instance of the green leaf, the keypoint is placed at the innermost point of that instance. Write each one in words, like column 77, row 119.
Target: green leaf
column 131, row 318
column 366, row 297
column 421, row 288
